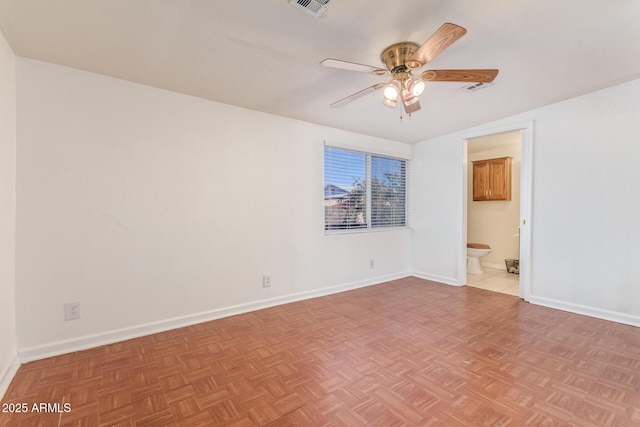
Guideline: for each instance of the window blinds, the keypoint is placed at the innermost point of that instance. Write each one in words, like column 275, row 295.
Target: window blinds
column 363, row 191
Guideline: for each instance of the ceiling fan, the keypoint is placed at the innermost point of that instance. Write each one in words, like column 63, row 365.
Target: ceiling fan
column 400, row 59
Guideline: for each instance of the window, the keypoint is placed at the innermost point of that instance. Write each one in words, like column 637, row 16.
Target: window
column 363, row 191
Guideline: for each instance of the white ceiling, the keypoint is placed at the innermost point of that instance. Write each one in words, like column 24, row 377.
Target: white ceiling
column 264, row 55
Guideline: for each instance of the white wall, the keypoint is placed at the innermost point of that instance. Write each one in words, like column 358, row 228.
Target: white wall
column 436, row 209
column 585, row 229
column 155, row 209
column 8, row 355
column 495, row 223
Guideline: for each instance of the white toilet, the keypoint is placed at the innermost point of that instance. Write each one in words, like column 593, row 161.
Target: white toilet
column 475, row 251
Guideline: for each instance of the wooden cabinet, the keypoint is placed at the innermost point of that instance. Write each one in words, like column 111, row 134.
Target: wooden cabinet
column 492, row 179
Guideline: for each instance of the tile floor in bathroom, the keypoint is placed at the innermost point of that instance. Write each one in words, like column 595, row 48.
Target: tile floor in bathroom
column 495, row 280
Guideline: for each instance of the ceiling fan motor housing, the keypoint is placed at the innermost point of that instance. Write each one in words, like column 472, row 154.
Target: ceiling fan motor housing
column 395, row 57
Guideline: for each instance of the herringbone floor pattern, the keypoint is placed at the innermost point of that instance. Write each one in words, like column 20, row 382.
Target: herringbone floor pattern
column 405, row 353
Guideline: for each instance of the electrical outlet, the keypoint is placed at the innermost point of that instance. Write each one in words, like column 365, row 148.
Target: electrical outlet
column 266, row 281
column 72, row 311
column 371, row 263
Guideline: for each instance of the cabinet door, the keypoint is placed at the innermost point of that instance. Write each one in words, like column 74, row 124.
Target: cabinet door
column 480, row 180
column 499, row 179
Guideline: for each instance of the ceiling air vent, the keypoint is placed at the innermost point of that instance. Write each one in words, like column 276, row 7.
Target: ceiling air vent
column 475, row 86
column 316, row 8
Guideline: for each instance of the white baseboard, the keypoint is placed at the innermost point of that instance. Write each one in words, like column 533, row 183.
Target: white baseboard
column 598, row 313
column 551, row 303
column 496, row 266
column 436, row 278
column 89, row 341
column 7, row 373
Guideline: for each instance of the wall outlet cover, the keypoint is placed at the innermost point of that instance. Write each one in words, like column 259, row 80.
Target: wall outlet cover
column 72, row 311
column 266, row 281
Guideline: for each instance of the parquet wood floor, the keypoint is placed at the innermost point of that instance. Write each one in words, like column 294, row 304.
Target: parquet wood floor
column 404, row 353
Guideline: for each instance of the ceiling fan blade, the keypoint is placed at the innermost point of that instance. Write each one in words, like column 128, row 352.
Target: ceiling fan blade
column 484, row 76
column 357, row 95
column 352, row 66
column 438, row 42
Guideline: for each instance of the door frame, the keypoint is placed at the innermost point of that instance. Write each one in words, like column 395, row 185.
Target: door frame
column 526, row 201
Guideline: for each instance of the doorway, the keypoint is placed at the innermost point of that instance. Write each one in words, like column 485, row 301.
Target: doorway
column 502, row 224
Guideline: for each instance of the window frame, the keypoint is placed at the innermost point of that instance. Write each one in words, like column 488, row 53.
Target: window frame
column 369, row 224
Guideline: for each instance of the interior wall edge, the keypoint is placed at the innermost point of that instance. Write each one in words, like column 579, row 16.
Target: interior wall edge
column 9, row 362
column 8, row 372
column 56, row 348
column 598, row 313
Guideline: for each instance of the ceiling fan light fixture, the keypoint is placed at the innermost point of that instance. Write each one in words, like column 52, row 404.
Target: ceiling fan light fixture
column 415, row 86
column 391, row 103
column 408, row 98
column 391, row 91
